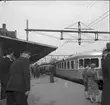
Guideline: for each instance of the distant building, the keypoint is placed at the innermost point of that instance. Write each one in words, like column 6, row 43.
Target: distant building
column 5, row 32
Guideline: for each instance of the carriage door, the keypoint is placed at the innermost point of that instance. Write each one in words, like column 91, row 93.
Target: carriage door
column 76, row 68
column 81, row 68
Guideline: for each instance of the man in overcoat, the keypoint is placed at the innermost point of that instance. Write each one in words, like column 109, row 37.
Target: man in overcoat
column 5, row 63
column 106, row 78
column 52, row 73
column 18, row 86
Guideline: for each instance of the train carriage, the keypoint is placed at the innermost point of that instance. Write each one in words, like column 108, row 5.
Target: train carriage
column 73, row 66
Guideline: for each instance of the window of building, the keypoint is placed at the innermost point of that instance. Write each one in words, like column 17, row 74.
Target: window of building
column 72, row 64
column 81, row 63
column 68, row 65
column 95, row 61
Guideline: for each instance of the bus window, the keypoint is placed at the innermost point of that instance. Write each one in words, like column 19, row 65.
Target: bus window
column 72, row 64
column 68, row 66
column 81, row 63
column 95, row 61
column 86, row 62
column 65, row 65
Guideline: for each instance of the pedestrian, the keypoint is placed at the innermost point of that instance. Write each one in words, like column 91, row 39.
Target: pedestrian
column 5, row 63
column 105, row 100
column 84, row 75
column 37, row 71
column 18, row 85
column 52, row 72
column 93, row 90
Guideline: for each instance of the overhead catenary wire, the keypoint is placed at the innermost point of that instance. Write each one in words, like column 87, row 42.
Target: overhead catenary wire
column 89, row 5
column 98, row 18
column 87, row 26
column 48, row 35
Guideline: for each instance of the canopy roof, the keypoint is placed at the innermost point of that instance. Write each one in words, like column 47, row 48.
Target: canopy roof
column 37, row 50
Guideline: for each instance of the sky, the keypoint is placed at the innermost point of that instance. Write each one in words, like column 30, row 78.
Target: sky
column 56, row 15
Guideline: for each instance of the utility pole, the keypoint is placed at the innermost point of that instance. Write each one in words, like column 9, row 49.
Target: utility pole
column 27, row 32
column 79, row 33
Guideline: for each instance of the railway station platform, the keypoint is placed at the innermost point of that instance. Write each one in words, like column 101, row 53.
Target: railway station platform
column 61, row 92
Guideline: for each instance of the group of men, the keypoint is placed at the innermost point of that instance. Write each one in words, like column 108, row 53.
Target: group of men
column 15, row 78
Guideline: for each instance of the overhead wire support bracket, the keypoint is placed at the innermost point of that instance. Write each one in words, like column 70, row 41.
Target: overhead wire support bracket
column 67, row 31
column 96, row 36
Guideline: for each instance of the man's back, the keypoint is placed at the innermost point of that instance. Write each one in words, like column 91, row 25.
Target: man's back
column 4, row 69
column 19, row 76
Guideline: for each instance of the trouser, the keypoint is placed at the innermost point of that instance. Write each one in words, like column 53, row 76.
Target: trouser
column 3, row 91
column 51, row 78
column 16, row 98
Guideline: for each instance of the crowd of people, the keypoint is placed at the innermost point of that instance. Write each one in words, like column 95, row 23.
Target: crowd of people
column 90, row 77
column 15, row 77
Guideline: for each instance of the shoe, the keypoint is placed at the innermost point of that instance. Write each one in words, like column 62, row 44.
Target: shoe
column 91, row 101
column 88, row 98
column 98, row 103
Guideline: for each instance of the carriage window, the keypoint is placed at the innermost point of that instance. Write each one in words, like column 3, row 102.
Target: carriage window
column 95, row 61
column 62, row 65
column 65, row 65
column 68, row 65
column 72, row 64
column 81, row 63
column 86, row 62
column 58, row 66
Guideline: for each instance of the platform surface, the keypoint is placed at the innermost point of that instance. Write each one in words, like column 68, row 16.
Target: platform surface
column 62, row 92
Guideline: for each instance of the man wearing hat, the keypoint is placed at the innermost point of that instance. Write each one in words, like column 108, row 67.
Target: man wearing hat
column 18, row 86
column 106, row 78
column 5, row 63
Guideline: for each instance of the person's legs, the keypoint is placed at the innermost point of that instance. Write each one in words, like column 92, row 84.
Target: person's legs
column 10, row 98
column 3, row 91
column 21, row 98
column 86, row 90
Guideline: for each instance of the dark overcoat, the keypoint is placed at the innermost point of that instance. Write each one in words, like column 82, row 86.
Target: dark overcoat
column 4, row 69
column 106, row 81
column 19, row 76
column 4, row 74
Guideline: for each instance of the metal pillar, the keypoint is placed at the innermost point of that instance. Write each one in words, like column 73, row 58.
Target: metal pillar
column 96, row 36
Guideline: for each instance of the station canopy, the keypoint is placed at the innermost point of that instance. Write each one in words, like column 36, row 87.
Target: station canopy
column 37, row 50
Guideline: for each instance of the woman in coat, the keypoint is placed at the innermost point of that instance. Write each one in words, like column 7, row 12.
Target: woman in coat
column 93, row 90
column 84, row 75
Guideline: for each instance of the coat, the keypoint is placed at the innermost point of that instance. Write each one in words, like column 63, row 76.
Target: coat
column 19, row 76
column 4, row 69
column 106, row 81
column 5, row 63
